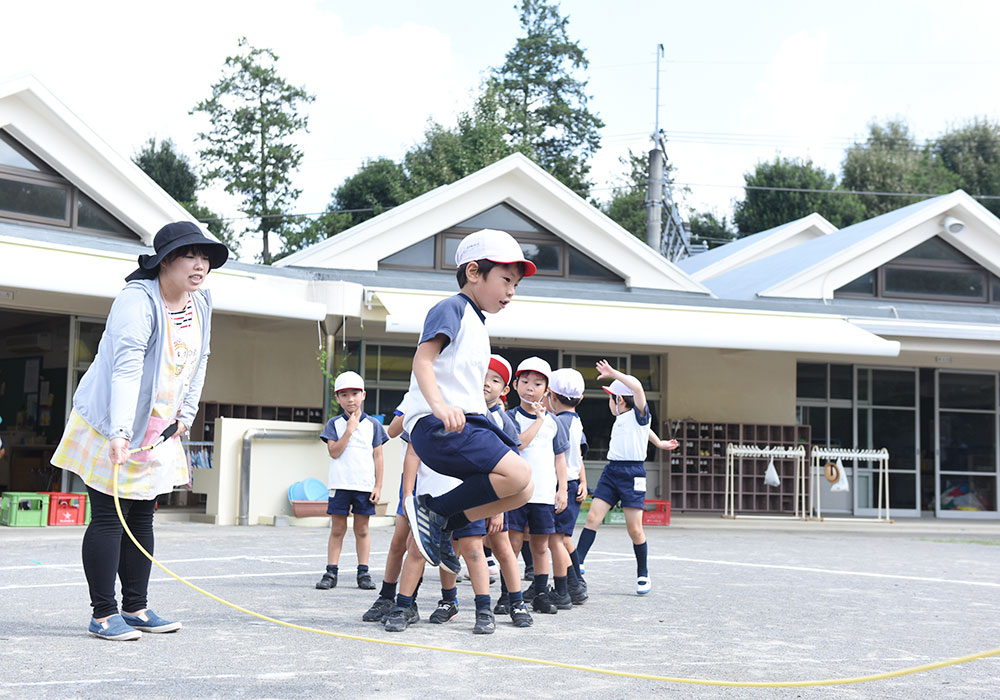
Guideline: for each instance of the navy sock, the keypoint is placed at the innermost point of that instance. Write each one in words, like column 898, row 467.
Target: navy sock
column 482, row 602
column 332, row 569
column 575, row 560
column 562, row 585
column 640, row 559
column 362, row 568
column 583, row 544
column 503, row 584
column 526, row 554
column 388, row 590
column 474, row 491
column 404, row 601
column 516, row 598
column 487, row 552
column 571, row 577
column 450, row 594
column 417, row 589
column 457, row 522
column 541, row 582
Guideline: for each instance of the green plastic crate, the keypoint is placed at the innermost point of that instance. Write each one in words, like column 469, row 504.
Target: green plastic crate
column 615, row 516
column 24, row 509
column 581, row 519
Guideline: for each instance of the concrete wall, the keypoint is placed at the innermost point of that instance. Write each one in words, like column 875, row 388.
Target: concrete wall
column 731, row 386
column 263, row 361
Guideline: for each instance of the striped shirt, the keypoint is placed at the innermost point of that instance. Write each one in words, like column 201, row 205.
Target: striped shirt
column 184, row 318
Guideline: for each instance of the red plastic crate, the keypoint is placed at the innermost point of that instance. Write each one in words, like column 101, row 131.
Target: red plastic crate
column 66, row 508
column 656, row 512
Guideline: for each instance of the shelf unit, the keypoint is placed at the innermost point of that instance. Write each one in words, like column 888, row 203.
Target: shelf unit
column 698, row 466
column 208, row 411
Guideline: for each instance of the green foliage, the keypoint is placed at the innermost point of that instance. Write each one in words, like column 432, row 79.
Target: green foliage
column 890, row 161
column 972, row 152
column 709, row 228
column 254, row 113
column 764, row 209
column 216, row 226
column 627, row 206
column 544, row 104
column 168, row 168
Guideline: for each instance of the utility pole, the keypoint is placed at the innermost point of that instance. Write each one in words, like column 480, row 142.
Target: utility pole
column 654, row 186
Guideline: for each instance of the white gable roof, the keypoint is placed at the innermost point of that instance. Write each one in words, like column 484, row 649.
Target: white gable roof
column 32, row 115
column 514, row 180
column 724, row 258
column 816, row 268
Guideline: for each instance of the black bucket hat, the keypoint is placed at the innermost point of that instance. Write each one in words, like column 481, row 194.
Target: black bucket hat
column 173, row 236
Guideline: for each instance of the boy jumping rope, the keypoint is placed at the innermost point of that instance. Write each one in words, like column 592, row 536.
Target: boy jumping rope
column 624, row 478
column 354, row 441
column 445, row 408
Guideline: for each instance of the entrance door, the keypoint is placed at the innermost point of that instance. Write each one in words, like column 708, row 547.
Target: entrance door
column 888, row 416
column 966, row 463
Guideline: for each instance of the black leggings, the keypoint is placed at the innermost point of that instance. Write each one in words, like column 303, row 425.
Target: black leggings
column 108, row 551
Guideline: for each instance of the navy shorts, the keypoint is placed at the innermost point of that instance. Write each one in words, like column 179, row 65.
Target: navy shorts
column 566, row 521
column 399, row 506
column 476, row 528
column 343, row 501
column 540, row 517
column 623, row 481
column 475, row 450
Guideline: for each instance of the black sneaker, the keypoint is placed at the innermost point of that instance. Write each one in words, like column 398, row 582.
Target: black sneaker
column 529, row 573
column 401, row 618
column 365, row 581
column 543, row 604
column 578, row 593
column 520, row 616
column 445, row 610
column 485, row 623
column 529, row 593
column 379, row 610
column 327, row 582
column 562, row 602
column 449, row 560
column 503, row 605
column 427, row 527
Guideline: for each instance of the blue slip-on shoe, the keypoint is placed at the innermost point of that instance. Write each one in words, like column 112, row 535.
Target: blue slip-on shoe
column 114, row 629
column 427, row 528
column 149, row 621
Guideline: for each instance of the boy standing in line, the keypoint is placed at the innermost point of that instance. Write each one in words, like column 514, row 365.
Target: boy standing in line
column 544, row 444
column 445, row 408
column 565, row 393
column 354, row 441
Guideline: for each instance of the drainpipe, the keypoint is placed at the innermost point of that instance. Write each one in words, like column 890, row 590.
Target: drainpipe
column 248, row 438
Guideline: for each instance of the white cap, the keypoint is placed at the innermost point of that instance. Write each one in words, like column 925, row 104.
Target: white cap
column 500, row 365
column 348, row 380
column 618, row 388
column 567, row 382
column 535, row 364
column 495, row 246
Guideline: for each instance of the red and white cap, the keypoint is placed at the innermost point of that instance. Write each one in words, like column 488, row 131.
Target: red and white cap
column 618, row 388
column 495, row 246
column 501, row 367
column 348, row 380
column 567, row 382
column 535, row 364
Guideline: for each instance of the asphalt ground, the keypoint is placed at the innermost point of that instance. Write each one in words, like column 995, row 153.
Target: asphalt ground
column 738, row 601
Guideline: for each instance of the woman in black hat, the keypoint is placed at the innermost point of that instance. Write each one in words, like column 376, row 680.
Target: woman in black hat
column 147, row 374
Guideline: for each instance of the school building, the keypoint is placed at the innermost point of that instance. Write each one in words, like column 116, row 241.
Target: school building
column 881, row 334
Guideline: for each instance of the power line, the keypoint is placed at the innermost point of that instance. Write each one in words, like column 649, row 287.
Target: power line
column 819, row 191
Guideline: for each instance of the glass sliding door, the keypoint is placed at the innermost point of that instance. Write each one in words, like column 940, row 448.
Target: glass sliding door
column 966, row 463
column 888, row 416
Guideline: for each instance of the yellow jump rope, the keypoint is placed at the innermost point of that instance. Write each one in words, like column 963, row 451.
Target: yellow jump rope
column 524, row 659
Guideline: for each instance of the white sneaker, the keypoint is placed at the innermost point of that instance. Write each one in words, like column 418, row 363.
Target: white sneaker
column 643, row 585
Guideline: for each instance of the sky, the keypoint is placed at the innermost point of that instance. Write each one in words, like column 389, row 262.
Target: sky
column 739, row 82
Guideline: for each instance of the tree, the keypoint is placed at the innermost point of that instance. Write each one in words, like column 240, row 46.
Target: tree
column 627, row 206
column 972, row 152
column 891, row 161
column 544, row 105
column 709, row 228
column 254, row 113
column 762, row 209
column 171, row 170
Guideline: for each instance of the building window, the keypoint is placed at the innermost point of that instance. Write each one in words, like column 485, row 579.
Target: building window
column 553, row 256
column 31, row 191
column 932, row 271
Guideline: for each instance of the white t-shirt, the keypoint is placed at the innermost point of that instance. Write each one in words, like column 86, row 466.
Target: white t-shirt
column 354, row 469
column 552, row 439
column 577, row 443
column 460, row 368
column 629, row 436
